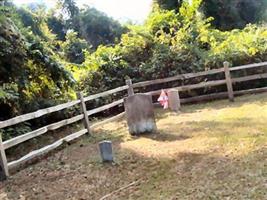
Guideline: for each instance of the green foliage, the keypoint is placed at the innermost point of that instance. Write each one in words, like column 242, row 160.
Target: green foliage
column 168, row 4
column 238, row 46
column 74, row 47
column 230, row 14
column 97, row 28
column 125, row 58
column 8, row 92
column 29, row 73
column 20, row 129
column 31, row 20
column 56, row 25
column 90, row 24
column 162, row 20
column 227, row 14
column 70, row 7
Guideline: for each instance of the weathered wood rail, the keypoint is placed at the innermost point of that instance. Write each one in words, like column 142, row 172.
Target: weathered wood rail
column 5, row 166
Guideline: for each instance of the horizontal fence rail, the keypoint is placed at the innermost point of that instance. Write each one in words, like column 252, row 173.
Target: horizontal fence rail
column 250, row 78
column 105, row 107
column 5, row 166
column 222, row 95
column 46, row 149
column 197, row 74
column 22, row 138
column 191, row 87
column 39, row 113
column 178, row 77
column 106, row 93
column 248, row 66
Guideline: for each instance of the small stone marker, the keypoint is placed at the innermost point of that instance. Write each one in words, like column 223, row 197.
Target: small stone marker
column 174, row 100
column 140, row 114
column 106, row 151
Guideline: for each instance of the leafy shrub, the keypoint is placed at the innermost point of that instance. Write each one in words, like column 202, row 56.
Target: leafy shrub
column 74, row 47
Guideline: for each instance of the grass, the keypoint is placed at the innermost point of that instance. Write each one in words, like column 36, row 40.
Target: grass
column 215, row 150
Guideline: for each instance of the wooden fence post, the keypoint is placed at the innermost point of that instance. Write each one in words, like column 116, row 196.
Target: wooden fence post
column 3, row 161
column 84, row 111
column 130, row 89
column 228, row 81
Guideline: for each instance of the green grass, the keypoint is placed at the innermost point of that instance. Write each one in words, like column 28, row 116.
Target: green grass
column 215, row 150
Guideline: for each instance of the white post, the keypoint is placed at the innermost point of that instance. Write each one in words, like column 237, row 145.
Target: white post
column 228, row 81
column 84, row 111
column 130, row 89
column 3, row 161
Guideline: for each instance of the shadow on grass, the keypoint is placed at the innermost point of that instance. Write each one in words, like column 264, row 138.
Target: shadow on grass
column 164, row 137
column 194, row 175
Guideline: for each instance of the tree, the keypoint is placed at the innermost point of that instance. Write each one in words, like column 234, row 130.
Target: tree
column 70, row 7
column 97, row 28
column 168, row 4
column 31, row 77
column 31, row 20
column 230, row 14
column 90, row 24
column 227, row 14
column 57, row 26
column 73, row 48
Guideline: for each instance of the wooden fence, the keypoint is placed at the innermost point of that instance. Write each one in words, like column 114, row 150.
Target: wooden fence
column 5, row 166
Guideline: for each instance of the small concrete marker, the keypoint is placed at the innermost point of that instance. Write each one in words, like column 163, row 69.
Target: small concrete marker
column 106, row 151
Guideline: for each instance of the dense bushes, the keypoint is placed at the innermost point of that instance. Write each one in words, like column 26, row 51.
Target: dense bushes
column 31, row 77
column 74, row 47
column 172, row 43
column 227, row 14
column 230, row 14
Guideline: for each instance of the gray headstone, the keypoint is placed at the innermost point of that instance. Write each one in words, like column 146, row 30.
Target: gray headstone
column 106, row 151
column 140, row 114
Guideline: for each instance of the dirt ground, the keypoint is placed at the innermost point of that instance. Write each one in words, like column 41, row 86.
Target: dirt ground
column 215, row 150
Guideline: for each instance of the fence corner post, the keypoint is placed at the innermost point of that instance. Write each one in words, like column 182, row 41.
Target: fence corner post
column 130, row 89
column 3, row 161
column 228, row 81
column 84, row 111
